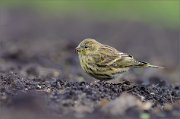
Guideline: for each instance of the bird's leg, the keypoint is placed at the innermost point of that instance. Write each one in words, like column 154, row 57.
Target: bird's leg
column 128, row 84
column 125, row 81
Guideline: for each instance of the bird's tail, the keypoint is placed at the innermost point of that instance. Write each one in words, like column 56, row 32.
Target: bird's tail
column 145, row 64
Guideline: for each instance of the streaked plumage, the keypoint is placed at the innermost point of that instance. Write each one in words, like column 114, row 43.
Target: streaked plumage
column 104, row 62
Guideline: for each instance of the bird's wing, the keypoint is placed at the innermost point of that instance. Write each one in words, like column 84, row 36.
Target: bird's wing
column 108, row 56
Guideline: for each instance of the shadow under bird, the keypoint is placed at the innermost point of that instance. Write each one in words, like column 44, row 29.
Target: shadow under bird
column 104, row 62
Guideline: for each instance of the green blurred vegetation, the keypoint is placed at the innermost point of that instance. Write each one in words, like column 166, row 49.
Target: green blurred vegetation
column 166, row 12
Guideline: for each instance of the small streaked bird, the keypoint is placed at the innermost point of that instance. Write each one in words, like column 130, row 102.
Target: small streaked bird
column 104, row 62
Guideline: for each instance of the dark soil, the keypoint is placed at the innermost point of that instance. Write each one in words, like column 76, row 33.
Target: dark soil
column 57, row 97
column 40, row 75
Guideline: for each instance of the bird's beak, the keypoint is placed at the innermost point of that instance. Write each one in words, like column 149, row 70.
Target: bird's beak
column 77, row 48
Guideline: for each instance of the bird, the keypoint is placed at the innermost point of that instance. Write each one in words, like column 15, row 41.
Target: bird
column 104, row 62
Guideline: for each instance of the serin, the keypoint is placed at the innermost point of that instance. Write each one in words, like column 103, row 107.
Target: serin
column 104, row 62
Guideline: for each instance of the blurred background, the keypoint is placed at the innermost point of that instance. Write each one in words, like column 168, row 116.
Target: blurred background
column 38, row 40
column 44, row 33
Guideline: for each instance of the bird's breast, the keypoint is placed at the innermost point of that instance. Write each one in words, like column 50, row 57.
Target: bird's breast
column 101, row 73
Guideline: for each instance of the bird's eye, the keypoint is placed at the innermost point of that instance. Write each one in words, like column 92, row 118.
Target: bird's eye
column 85, row 46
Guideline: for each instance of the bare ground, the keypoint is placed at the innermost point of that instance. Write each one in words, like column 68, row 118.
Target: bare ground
column 40, row 76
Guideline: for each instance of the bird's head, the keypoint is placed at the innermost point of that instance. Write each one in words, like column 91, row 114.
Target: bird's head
column 87, row 46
